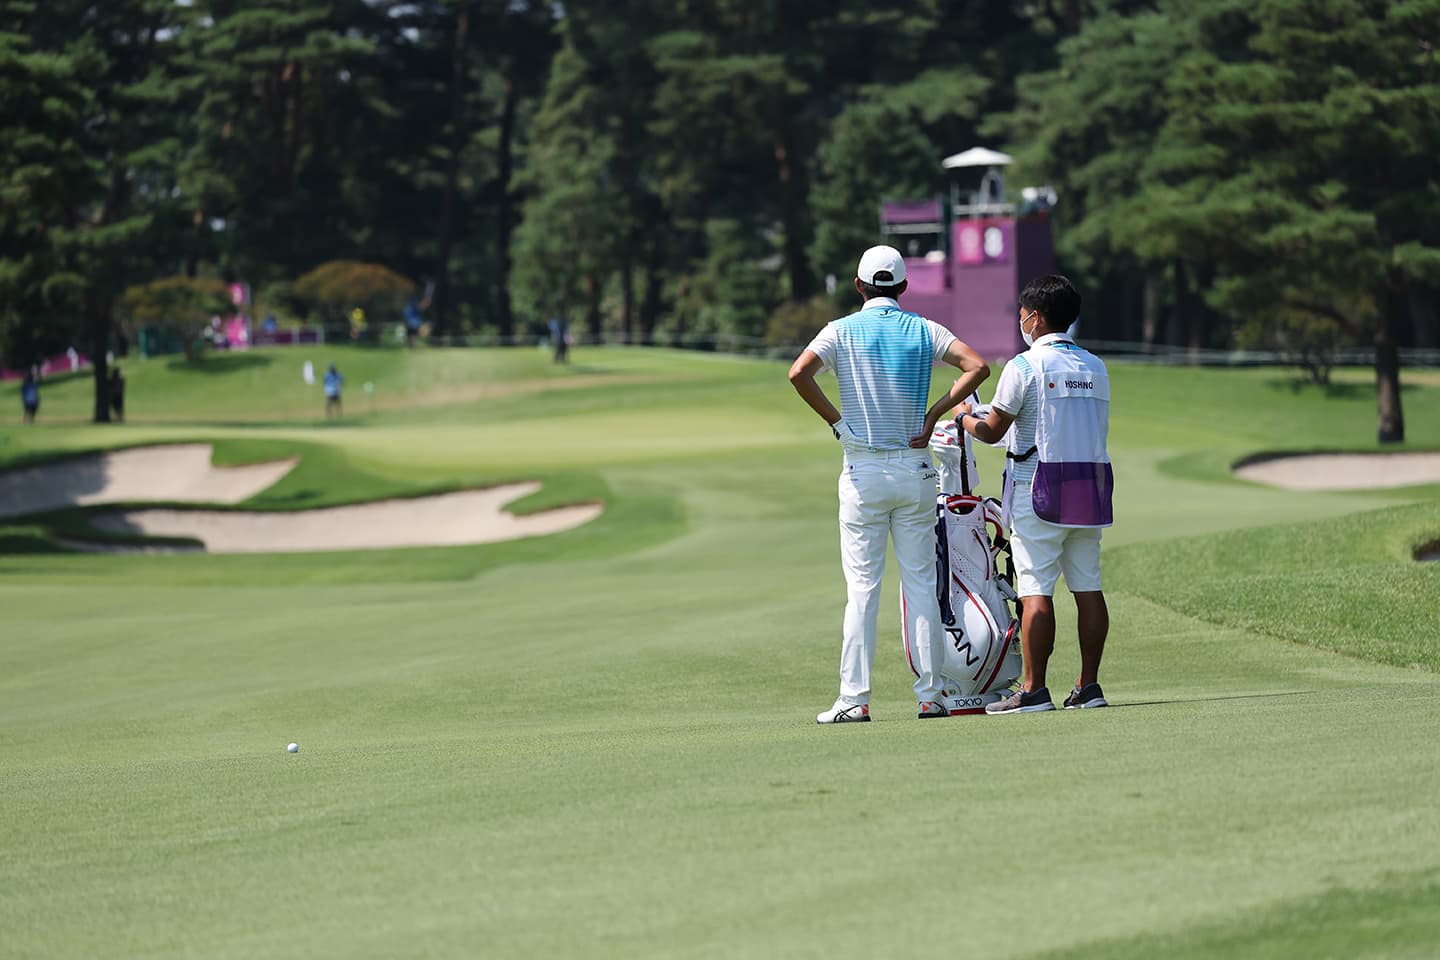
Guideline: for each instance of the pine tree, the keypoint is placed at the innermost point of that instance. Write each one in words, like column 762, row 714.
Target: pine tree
column 1090, row 127
column 90, row 194
column 575, row 221
column 283, row 122
column 1301, row 148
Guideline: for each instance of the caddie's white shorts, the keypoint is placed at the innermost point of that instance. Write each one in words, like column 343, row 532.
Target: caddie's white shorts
column 1043, row 550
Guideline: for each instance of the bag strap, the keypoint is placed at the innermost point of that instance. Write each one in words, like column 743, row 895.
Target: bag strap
column 942, row 566
column 965, row 484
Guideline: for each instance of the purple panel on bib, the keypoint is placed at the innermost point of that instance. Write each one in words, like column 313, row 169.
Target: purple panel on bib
column 1074, row 494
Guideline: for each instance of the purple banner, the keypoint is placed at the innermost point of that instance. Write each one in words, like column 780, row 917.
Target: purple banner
column 287, row 338
column 910, row 211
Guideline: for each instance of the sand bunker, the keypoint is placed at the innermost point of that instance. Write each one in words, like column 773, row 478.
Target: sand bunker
column 184, row 473
column 179, row 473
column 451, row 519
column 1344, row 471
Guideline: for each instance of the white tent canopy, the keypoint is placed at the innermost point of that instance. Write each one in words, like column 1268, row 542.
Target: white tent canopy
column 978, row 157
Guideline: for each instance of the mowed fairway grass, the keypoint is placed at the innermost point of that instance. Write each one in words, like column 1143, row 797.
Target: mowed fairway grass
column 601, row 743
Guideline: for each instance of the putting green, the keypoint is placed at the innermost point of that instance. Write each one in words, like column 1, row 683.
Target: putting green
column 601, row 743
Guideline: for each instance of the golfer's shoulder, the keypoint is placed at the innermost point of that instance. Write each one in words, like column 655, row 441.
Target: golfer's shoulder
column 850, row 330
column 938, row 332
column 827, row 333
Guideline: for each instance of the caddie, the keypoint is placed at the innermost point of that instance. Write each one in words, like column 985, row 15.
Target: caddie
column 1052, row 407
column 882, row 357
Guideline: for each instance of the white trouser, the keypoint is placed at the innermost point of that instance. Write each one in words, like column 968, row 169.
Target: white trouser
column 889, row 494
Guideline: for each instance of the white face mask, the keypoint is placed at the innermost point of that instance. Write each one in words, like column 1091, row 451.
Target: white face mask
column 1029, row 338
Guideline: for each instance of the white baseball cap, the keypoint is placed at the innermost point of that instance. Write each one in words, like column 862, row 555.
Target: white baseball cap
column 877, row 262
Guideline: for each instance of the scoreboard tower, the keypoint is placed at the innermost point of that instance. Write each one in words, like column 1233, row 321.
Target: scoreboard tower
column 967, row 256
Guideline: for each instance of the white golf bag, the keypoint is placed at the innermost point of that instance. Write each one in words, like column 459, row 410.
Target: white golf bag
column 982, row 655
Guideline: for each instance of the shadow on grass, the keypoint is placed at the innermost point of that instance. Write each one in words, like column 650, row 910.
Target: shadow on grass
column 19, row 542
column 1238, row 696
column 1339, row 391
column 220, row 363
column 280, row 423
column 1267, row 456
column 299, row 496
column 590, row 370
column 1392, row 915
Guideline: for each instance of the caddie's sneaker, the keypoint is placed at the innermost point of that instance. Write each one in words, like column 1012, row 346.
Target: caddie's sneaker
column 930, row 709
column 1023, row 701
column 844, row 712
column 1083, row 698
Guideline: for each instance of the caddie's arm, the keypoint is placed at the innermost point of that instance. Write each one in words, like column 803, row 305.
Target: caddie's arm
column 973, row 372
column 802, row 378
column 987, row 429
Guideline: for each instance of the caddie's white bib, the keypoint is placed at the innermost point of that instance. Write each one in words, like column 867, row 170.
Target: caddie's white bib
column 1074, row 483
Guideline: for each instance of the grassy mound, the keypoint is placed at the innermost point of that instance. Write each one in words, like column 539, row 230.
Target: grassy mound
column 1350, row 585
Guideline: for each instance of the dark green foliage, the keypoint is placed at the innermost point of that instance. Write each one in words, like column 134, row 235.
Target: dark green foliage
column 181, row 306
column 795, row 324
column 353, row 298
column 1298, row 156
column 88, row 166
column 874, row 151
column 576, row 224
column 1253, row 174
column 1268, row 165
column 732, row 290
column 283, row 96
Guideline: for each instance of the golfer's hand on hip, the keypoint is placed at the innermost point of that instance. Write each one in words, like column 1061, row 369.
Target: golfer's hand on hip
column 923, row 439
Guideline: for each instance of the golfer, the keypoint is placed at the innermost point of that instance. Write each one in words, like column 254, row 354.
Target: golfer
column 882, row 358
column 1052, row 407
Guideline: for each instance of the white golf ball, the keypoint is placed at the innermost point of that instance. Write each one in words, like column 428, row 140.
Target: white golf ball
column 293, row 748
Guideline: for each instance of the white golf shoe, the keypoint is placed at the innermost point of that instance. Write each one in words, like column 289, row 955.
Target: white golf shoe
column 843, row 712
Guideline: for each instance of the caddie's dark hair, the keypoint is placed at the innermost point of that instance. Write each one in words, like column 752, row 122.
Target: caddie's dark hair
column 893, row 290
column 1055, row 298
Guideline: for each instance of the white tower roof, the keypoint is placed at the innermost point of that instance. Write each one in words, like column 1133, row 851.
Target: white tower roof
column 978, row 157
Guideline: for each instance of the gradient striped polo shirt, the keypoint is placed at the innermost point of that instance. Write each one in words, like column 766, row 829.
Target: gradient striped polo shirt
column 882, row 358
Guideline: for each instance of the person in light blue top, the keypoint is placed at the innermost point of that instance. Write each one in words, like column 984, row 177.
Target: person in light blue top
column 882, row 357
column 414, row 319
column 334, row 382
column 30, row 396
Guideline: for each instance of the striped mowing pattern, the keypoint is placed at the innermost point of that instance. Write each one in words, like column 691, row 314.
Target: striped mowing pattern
column 882, row 358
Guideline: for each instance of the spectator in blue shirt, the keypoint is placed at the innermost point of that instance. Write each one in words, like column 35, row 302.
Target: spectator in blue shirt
column 30, row 396
column 560, row 338
column 413, row 320
column 117, row 393
column 333, row 382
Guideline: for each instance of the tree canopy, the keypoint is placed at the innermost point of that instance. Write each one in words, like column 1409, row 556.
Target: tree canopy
column 1229, row 173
